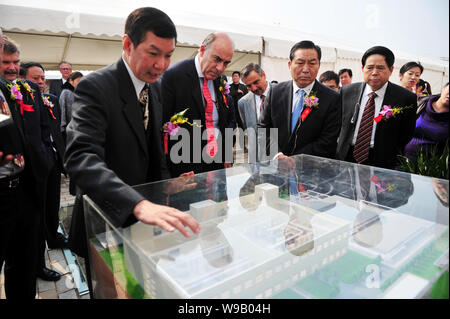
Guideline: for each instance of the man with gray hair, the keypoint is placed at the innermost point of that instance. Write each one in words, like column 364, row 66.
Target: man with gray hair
column 251, row 105
column 196, row 84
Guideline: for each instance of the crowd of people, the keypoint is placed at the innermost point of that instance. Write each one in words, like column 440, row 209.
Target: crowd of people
column 112, row 129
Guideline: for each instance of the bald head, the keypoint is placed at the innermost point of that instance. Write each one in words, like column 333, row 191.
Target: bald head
column 215, row 54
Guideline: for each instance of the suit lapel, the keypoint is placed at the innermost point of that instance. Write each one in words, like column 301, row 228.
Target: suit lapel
column 196, row 91
column 131, row 108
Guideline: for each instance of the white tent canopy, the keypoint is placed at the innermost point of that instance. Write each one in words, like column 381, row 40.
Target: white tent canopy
column 92, row 41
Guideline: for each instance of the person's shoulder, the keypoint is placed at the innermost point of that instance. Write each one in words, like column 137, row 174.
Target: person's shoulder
column 325, row 90
column 281, row 87
column 401, row 91
column 247, row 97
column 181, row 66
column 51, row 96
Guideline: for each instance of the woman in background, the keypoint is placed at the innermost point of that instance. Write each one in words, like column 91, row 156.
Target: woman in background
column 431, row 126
column 410, row 74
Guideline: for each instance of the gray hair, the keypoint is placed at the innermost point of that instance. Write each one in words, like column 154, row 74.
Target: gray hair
column 251, row 67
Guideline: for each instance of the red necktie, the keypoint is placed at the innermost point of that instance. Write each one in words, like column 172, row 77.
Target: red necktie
column 261, row 105
column 362, row 145
column 211, row 146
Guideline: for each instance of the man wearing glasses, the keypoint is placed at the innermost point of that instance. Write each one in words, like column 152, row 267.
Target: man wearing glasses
column 66, row 69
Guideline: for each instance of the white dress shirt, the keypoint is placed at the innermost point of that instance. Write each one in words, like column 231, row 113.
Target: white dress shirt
column 138, row 84
column 213, row 95
column 378, row 101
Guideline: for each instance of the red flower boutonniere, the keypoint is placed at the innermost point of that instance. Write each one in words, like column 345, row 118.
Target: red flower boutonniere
column 224, row 88
column 17, row 96
column 171, row 127
column 388, row 112
column 49, row 105
column 311, row 101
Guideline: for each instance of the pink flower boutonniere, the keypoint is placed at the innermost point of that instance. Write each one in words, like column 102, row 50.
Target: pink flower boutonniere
column 17, row 96
column 381, row 186
column 49, row 105
column 224, row 88
column 388, row 112
column 310, row 102
column 171, row 127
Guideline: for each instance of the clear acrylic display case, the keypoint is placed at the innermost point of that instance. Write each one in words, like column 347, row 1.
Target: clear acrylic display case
column 320, row 229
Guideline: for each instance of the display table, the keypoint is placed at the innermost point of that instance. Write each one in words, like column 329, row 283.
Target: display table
column 321, row 229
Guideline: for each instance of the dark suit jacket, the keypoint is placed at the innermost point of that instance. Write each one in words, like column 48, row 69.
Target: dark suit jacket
column 33, row 130
column 56, row 87
column 55, row 128
column 181, row 89
column 108, row 148
column 391, row 135
column 317, row 135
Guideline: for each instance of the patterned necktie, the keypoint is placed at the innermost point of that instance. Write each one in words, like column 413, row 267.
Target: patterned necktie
column 297, row 110
column 362, row 145
column 143, row 99
column 211, row 146
column 261, row 105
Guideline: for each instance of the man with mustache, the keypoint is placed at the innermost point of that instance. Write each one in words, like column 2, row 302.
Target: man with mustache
column 10, row 66
column 196, row 84
column 24, row 168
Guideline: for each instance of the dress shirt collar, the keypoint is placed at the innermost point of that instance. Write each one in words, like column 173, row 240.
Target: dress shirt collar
column 138, row 84
column 307, row 88
column 197, row 67
column 380, row 92
column 267, row 90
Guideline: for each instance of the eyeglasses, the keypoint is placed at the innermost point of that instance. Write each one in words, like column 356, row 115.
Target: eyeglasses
column 65, row 69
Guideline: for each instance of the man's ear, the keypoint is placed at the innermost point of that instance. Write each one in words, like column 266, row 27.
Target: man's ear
column 127, row 44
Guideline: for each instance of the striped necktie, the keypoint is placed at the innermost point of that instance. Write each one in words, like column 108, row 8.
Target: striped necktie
column 362, row 145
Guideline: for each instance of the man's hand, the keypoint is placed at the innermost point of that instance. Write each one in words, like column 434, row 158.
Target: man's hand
column 180, row 184
column 5, row 160
column 240, row 91
column 168, row 218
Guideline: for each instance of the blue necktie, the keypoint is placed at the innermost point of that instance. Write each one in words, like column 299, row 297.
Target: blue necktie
column 297, row 110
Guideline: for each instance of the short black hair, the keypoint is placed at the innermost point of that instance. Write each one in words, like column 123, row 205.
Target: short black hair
column 328, row 76
column 408, row 66
column 28, row 65
column 349, row 71
column 146, row 19
column 388, row 55
column 75, row 75
column 305, row 45
column 236, row 72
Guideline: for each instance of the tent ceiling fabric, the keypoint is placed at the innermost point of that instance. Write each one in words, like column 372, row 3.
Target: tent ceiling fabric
column 91, row 41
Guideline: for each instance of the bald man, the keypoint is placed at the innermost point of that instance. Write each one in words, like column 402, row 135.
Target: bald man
column 197, row 84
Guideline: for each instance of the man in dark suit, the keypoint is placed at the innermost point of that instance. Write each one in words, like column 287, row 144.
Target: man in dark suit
column 305, row 112
column 35, row 72
column 362, row 139
column 56, row 86
column 114, row 138
column 196, row 84
column 24, row 168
